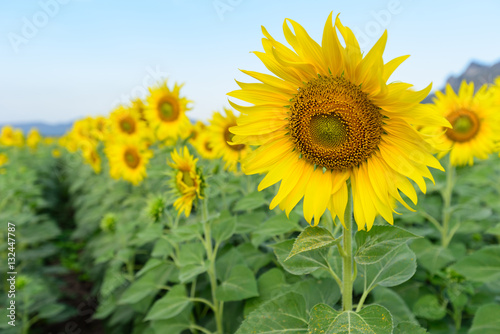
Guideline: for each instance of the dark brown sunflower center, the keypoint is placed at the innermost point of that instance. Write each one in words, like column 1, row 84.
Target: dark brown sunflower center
column 207, row 146
column 465, row 125
column 228, row 137
column 168, row 110
column 334, row 124
column 127, row 124
column 132, row 158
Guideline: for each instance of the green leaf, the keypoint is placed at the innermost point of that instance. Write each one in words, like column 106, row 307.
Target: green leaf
column 251, row 201
column 481, row 266
column 240, row 284
column 316, row 291
column 428, row 307
column 254, row 258
column 185, row 233
column 285, row 314
column 303, row 263
column 174, row 325
column 379, row 242
column 169, row 305
column 191, row 261
column 162, row 248
column 223, row 227
column 270, row 284
column 373, row 319
column 394, row 269
column 486, row 320
column 226, row 262
column 277, row 225
column 495, row 230
column 51, row 310
column 431, row 257
column 148, row 285
column 312, row 238
column 408, row 328
column 246, row 223
column 148, row 234
column 395, row 304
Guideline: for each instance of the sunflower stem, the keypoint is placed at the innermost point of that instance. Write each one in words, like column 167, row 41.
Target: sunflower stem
column 347, row 259
column 446, row 195
column 212, row 275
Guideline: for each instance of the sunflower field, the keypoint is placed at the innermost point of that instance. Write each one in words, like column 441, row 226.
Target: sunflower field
column 327, row 199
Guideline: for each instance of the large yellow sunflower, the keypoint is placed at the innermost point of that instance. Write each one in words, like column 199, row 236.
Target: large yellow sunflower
column 328, row 117
column 166, row 112
column 475, row 121
column 128, row 160
column 221, row 140
column 187, row 180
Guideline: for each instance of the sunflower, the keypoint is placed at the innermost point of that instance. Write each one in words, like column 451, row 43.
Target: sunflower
column 203, row 145
column 125, row 123
column 196, row 129
column 476, row 124
column 33, row 139
column 92, row 157
column 166, row 112
column 328, row 117
column 138, row 107
column 221, row 140
column 11, row 137
column 3, row 159
column 128, row 160
column 187, row 180
column 98, row 129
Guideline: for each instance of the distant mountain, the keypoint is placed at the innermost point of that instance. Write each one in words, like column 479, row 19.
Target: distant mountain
column 478, row 73
column 52, row 130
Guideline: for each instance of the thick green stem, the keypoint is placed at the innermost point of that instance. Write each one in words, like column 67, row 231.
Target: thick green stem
column 347, row 258
column 212, row 275
column 446, row 214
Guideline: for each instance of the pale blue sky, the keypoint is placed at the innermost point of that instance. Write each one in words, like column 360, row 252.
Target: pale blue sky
column 85, row 56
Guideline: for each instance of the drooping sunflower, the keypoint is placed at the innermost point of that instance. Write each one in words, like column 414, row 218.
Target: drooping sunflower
column 187, row 180
column 128, row 160
column 125, row 123
column 221, row 140
column 475, row 122
column 328, row 116
column 166, row 111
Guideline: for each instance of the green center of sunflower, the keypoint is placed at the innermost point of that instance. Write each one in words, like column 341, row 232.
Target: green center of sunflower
column 168, row 110
column 333, row 123
column 127, row 125
column 465, row 125
column 186, row 178
column 132, row 158
column 228, row 137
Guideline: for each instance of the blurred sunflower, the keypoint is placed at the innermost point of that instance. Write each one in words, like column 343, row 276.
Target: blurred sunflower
column 92, row 157
column 166, row 112
column 11, row 137
column 187, row 180
column 221, row 140
column 328, row 117
column 476, row 124
column 203, row 145
column 138, row 107
column 196, row 129
column 128, row 160
column 33, row 139
column 3, row 159
column 125, row 123
column 98, row 128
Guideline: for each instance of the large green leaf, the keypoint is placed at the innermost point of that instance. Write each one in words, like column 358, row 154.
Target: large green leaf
column 394, row 269
column 285, row 314
column 429, row 307
column 312, row 238
column 316, row 291
column 191, row 261
column 251, row 201
column 408, row 328
column 173, row 325
column 486, row 320
column 430, row 256
column 223, row 227
column 394, row 303
column 303, row 263
column 270, row 284
column 170, row 305
column 379, row 242
column 240, row 284
column 372, row 319
column 275, row 225
column 481, row 266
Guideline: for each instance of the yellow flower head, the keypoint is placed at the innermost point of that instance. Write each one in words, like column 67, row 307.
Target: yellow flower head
column 221, row 140
column 98, row 129
column 328, row 116
column 188, row 184
column 128, row 160
column 125, row 123
column 203, row 145
column 33, row 139
column 11, row 137
column 92, row 157
column 3, row 159
column 56, row 153
column 166, row 112
column 196, row 129
column 475, row 121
